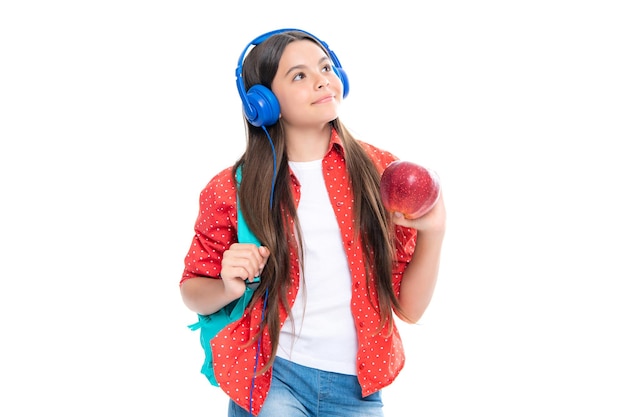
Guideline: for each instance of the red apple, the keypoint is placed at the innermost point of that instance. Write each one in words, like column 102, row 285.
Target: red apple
column 409, row 188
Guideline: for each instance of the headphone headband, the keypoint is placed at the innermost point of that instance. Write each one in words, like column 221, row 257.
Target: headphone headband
column 260, row 105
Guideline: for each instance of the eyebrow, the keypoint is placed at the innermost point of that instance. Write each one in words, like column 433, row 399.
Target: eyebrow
column 297, row 67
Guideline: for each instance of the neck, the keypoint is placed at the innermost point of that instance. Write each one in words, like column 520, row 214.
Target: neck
column 305, row 145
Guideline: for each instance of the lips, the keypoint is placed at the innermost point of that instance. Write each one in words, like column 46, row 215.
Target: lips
column 324, row 99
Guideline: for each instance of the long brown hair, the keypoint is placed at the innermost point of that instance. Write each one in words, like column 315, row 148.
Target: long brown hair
column 269, row 210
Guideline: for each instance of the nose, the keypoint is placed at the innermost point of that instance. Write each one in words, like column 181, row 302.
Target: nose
column 323, row 82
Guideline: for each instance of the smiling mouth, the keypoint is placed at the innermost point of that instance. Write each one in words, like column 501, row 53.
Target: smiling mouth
column 324, row 99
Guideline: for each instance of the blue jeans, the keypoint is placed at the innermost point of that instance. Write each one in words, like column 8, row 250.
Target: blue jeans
column 299, row 391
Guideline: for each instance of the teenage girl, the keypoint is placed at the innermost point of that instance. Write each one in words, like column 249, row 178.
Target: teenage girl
column 318, row 337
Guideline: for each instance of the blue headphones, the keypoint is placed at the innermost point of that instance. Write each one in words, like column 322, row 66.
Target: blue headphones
column 260, row 105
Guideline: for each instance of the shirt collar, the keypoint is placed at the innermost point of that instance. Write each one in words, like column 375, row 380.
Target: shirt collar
column 335, row 141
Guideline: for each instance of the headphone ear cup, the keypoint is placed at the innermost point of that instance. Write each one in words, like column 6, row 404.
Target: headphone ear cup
column 264, row 104
column 341, row 73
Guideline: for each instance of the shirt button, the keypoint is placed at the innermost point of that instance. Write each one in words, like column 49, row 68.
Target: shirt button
column 361, row 365
column 339, row 203
column 361, row 324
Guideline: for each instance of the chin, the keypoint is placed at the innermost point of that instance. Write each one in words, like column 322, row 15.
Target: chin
column 331, row 115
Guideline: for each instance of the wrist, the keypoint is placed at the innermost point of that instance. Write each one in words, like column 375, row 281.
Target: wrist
column 232, row 289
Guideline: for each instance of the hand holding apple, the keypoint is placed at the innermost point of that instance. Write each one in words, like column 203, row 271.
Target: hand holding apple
column 409, row 189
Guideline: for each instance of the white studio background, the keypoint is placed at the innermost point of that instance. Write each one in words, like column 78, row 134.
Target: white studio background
column 114, row 115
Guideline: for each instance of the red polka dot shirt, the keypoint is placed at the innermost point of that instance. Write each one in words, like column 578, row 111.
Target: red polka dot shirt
column 380, row 354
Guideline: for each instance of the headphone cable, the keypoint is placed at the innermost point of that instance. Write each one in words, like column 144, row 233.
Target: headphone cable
column 274, row 158
column 258, row 349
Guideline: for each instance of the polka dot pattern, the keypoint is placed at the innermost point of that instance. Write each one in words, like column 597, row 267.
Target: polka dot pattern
column 380, row 354
column 215, row 227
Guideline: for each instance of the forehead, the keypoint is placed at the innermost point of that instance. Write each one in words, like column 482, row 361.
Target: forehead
column 301, row 52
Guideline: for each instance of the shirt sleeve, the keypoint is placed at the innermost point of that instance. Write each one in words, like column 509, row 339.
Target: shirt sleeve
column 405, row 246
column 215, row 227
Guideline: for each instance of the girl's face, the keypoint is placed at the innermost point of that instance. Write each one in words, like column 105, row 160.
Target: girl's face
column 307, row 88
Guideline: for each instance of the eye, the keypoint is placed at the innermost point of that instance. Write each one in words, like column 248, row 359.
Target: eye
column 327, row 68
column 298, row 76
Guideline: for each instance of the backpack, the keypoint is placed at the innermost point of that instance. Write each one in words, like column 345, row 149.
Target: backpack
column 210, row 325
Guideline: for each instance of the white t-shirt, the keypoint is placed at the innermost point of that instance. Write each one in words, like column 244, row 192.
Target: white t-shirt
column 322, row 334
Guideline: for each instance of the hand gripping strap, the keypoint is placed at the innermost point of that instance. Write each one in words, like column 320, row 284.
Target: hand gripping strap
column 210, row 325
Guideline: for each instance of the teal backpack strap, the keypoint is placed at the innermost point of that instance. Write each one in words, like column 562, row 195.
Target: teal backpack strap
column 211, row 324
column 244, row 234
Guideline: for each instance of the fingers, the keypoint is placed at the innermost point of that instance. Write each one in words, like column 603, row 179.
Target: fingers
column 432, row 221
column 243, row 261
